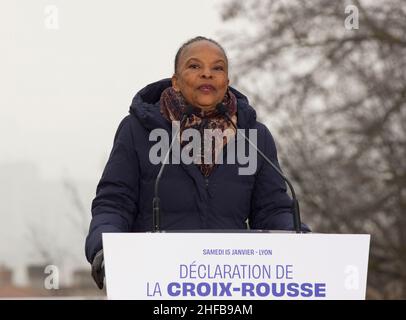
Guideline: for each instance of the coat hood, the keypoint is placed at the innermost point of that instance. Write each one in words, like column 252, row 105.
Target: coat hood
column 145, row 106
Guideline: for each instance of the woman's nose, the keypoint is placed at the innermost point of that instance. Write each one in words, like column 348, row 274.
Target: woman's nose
column 206, row 72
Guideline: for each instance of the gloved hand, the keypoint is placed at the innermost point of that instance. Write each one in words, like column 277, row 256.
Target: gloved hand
column 98, row 269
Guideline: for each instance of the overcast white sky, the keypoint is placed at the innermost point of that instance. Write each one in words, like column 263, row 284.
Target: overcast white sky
column 65, row 90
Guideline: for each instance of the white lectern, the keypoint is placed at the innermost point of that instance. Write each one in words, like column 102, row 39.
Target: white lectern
column 235, row 265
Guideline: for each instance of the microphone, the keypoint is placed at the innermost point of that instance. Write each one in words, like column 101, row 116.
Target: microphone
column 222, row 109
column 156, row 223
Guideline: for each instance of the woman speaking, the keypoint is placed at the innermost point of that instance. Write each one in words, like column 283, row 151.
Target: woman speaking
column 210, row 192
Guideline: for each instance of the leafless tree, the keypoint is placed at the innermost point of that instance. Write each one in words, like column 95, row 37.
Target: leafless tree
column 44, row 240
column 80, row 218
column 336, row 101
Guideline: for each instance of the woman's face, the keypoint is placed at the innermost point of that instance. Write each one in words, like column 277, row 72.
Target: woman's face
column 202, row 74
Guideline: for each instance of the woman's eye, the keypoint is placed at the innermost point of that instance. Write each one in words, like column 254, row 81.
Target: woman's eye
column 194, row 66
column 221, row 68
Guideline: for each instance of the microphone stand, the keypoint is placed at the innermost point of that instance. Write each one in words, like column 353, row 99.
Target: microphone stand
column 156, row 221
column 295, row 203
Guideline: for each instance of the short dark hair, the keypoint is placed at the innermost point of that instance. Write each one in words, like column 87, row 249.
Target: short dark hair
column 193, row 40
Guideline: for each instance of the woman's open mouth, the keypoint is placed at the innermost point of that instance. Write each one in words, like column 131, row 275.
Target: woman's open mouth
column 206, row 88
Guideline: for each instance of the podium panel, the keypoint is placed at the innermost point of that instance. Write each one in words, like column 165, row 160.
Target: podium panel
column 235, row 266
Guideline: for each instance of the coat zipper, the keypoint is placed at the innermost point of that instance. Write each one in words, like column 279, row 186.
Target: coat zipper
column 207, row 183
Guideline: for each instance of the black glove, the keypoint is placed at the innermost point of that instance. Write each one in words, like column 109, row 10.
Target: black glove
column 98, row 269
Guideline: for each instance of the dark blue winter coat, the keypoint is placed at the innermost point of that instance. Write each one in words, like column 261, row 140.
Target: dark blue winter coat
column 225, row 200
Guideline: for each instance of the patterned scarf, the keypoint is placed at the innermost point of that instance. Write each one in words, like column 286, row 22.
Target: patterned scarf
column 173, row 106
